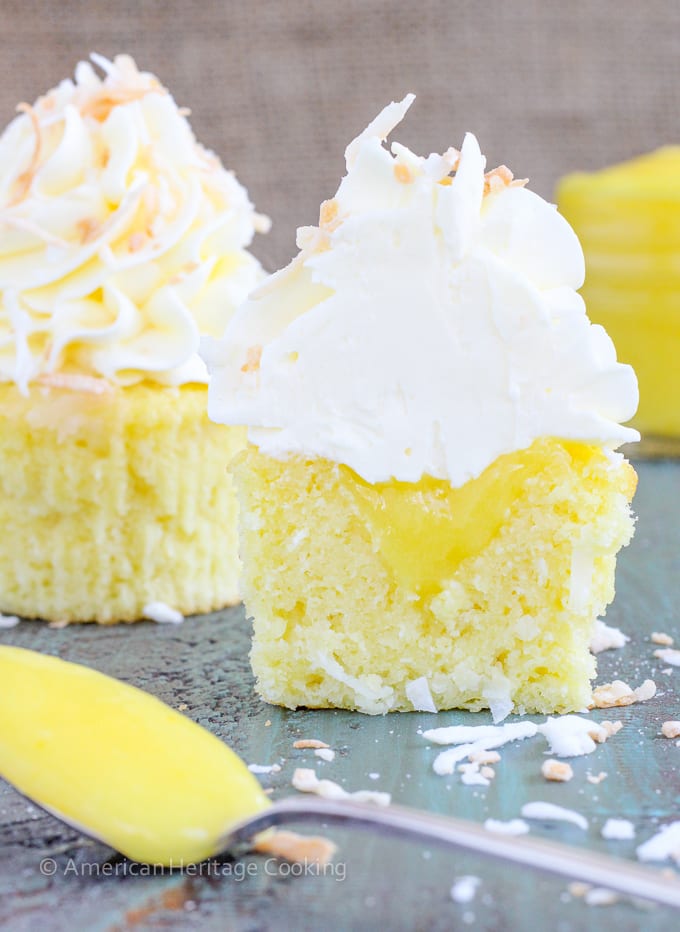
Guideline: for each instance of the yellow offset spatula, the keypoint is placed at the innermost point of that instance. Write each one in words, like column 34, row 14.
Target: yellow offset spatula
column 123, row 767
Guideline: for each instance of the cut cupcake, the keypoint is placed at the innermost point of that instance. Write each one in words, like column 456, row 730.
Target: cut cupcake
column 431, row 501
column 122, row 241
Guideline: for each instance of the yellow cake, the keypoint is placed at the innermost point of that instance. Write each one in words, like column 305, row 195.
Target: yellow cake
column 626, row 217
column 122, row 242
column 431, row 501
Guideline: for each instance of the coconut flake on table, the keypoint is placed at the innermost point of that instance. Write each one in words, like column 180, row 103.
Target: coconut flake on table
column 553, row 813
column 511, row 827
column 9, row 621
column 660, row 637
column 571, row 735
column 162, row 614
column 670, row 729
column 473, row 738
column 327, row 754
column 618, row 693
column 306, row 781
column 264, row 768
column 464, row 888
column 419, row 695
column 606, row 637
column 665, row 844
column 618, row 830
column 669, row 655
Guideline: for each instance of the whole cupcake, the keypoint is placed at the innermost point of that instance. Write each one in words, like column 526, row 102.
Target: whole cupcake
column 122, row 242
column 431, row 501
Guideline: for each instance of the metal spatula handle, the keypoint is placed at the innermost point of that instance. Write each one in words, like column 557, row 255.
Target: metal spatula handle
column 550, row 857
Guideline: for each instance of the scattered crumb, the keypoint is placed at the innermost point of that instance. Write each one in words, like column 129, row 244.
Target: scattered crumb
column 471, row 776
column 264, row 768
column 513, row 827
column 612, row 728
column 550, row 812
column 572, row 735
column 306, row 781
column 9, row 621
column 591, row 778
column 325, row 754
column 557, row 771
column 310, row 743
column 182, row 707
column 619, row 693
column 618, row 829
column 658, row 637
column 374, row 776
column 488, row 772
column 268, row 723
column 293, row 847
column 464, row 889
column 669, row 655
column 607, row 638
column 58, row 625
column 162, row 614
column 668, row 671
column 670, row 729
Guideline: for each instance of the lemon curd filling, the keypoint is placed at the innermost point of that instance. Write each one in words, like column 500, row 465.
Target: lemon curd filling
column 424, row 530
column 103, row 755
column 627, row 218
column 489, row 591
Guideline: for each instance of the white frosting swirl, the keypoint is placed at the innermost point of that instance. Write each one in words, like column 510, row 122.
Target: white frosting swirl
column 428, row 326
column 122, row 240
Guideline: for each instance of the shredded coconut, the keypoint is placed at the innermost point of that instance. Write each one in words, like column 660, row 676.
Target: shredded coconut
column 600, row 896
column 550, row 812
column 619, row 693
column 472, row 739
column 325, row 754
column 306, row 781
column 591, row 778
column 9, row 621
column 571, row 735
column 264, row 768
column 310, row 743
column 305, row 849
column 419, row 695
column 665, row 844
column 606, row 637
column 669, row 655
column 670, row 729
column 464, row 889
column 162, row 614
column 512, row 827
column 618, row 829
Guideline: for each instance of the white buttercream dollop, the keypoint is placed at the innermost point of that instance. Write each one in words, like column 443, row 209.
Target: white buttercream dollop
column 122, row 240
column 430, row 324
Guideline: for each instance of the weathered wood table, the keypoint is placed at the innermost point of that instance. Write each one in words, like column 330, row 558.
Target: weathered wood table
column 51, row 878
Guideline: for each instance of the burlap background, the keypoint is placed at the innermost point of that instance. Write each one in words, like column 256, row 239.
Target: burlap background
column 279, row 88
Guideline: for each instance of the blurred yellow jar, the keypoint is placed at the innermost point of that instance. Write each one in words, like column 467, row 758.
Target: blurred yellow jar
column 628, row 220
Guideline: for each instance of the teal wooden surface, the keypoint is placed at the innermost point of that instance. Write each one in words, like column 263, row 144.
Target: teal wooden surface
column 376, row 883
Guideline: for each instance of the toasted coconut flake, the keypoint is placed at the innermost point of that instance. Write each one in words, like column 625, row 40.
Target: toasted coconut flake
column 484, row 757
column 557, row 771
column 619, row 693
column 403, row 173
column 307, row 849
column 671, row 729
column 328, row 212
column 57, row 625
column 592, row 778
column 253, row 356
column 612, row 728
column 497, row 179
column 89, row 229
column 100, row 105
column 659, row 637
column 310, row 743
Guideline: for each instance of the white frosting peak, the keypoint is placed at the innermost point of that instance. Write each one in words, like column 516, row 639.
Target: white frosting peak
column 122, row 240
column 429, row 324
